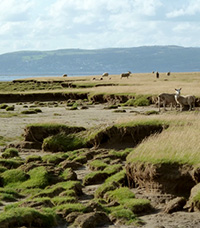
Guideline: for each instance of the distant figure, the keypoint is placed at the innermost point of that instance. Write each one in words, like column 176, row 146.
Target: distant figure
column 157, row 74
column 168, row 73
column 125, row 75
column 64, row 75
column 105, row 74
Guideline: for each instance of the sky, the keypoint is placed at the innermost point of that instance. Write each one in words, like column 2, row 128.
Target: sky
column 96, row 24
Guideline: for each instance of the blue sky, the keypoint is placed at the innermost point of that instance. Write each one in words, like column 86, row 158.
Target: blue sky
column 94, row 24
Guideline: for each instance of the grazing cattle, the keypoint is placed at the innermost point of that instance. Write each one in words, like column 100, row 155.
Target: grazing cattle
column 168, row 73
column 64, row 75
column 125, row 75
column 184, row 100
column 166, row 98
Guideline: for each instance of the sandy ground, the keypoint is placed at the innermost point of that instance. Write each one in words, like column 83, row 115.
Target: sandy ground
column 95, row 116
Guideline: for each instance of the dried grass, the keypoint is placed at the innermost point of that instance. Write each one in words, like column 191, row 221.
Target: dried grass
column 179, row 143
column 143, row 83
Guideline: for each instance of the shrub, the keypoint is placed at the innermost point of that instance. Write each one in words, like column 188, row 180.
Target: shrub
column 10, row 153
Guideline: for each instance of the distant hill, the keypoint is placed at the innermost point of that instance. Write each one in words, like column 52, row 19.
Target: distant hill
column 92, row 62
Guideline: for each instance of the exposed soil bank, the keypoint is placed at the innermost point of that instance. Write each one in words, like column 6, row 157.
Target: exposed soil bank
column 12, row 98
column 172, row 179
column 115, row 137
column 61, row 96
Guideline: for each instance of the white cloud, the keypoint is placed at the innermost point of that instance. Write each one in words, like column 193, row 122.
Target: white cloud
column 54, row 24
column 192, row 8
column 10, row 11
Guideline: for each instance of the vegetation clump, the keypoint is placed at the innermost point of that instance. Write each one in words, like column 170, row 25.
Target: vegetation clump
column 14, row 176
column 39, row 178
column 3, row 106
column 24, row 216
column 10, row 108
column 10, row 153
column 62, row 142
column 31, row 111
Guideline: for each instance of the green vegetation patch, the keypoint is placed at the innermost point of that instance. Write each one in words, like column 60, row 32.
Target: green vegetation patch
column 24, row 216
column 55, row 158
column 8, row 195
column 33, row 158
column 39, row 178
column 137, row 205
column 124, row 215
column 97, row 165
column 126, row 198
column 40, row 131
column 56, row 189
column 31, row 111
column 13, row 176
column 122, row 154
column 112, row 169
column 140, row 100
column 62, row 142
column 68, row 208
column 111, row 183
column 59, row 200
column 119, row 194
column 10, row 153
column 11, row 163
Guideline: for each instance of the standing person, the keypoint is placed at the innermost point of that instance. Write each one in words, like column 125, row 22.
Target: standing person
column 157, row 74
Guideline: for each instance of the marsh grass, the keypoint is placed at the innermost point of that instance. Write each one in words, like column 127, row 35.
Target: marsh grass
column 39, row 178
column 177, row 144
column 138, row 83
column 10, row 153
column 97, row 165
column 125, row 215
column 13, row 176
column 28, row 216
column 62, row 142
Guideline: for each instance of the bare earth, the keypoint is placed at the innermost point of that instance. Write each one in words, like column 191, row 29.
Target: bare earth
column 95, row 116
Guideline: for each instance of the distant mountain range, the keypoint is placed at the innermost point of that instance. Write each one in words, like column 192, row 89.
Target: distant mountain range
column 94, row 62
